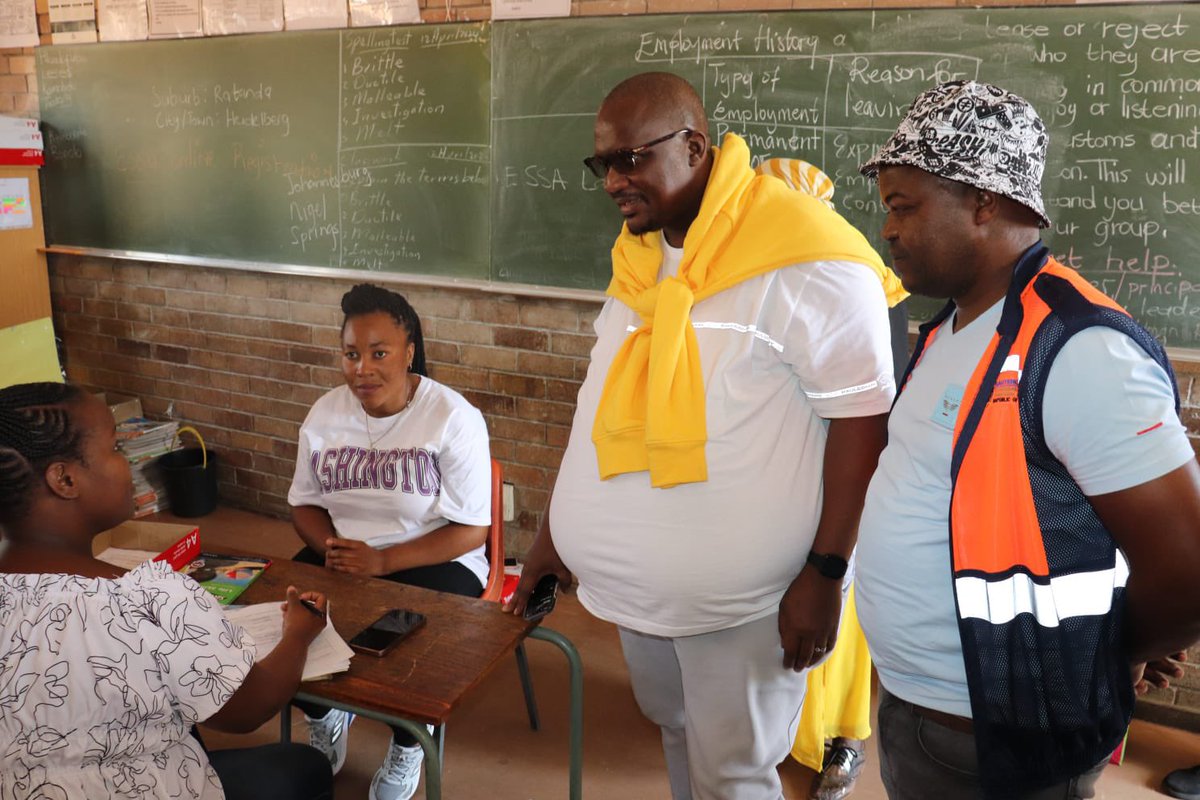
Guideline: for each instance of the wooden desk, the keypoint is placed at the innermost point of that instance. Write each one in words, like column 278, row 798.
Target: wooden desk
column 426, row 676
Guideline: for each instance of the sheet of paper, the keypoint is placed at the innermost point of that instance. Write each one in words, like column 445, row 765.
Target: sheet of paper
column 383, row 12
column 327, row 655
column 15, row 208
column 124, row 557
column 18, row 24
column 173, row 19
column 123, row 20
column 526, row 9
column 242, row 16
column 28, row 353
column 307, row 14
column 72, row 21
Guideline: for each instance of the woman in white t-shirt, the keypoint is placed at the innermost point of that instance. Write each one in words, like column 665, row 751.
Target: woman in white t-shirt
column 104, row 673
column 393, row 479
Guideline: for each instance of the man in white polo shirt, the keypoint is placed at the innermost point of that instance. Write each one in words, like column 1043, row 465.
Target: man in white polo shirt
column 1033, row 528
column 742, row 356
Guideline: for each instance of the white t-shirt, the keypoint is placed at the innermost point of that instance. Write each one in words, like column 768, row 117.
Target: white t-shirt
column 429, row 465
column 1101, row 392
column 779, row 352
column 101, row 681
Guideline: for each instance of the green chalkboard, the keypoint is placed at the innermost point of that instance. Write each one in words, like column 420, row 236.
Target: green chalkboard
column 1118, row 86
column 363, row 149
column 455, row 150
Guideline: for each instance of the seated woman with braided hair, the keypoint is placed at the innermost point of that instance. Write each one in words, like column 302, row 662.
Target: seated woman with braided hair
column 393, row 479
column 104, row 672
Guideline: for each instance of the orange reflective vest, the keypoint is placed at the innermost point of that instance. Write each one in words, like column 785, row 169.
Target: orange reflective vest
column 1039, row 582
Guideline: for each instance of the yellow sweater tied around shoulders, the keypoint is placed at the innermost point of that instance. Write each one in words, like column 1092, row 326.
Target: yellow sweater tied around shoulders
column 652, row 413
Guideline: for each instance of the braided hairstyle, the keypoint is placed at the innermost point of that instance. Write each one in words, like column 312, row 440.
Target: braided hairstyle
column 367, row 298
column 36, row 429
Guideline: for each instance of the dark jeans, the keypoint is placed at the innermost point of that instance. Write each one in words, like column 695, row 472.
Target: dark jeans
column 451, row 577
column 920, row 759
column 283, row 771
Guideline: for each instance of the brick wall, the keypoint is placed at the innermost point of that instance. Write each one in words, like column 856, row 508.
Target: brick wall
column 18, row 83
column 242, row 356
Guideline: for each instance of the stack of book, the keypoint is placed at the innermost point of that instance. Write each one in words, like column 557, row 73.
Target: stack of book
column 143, row 441
column 20, row 142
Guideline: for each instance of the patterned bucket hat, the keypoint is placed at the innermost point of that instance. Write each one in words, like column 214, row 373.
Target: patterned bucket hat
column 974, row 133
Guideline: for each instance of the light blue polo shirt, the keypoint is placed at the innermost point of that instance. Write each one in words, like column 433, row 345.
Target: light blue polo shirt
column 1104, row 398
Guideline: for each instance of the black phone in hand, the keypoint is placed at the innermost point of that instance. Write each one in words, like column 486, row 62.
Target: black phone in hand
column 542, row 598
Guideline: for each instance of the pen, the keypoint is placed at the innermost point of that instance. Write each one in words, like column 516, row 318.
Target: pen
column 311, row 606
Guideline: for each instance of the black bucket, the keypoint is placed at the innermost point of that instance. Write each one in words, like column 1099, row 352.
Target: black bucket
column 191, row 484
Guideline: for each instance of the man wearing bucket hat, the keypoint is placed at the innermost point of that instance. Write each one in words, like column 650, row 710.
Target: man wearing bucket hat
column 1031, row 531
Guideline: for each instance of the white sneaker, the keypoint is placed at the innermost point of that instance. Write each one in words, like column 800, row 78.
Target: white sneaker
column 400, row 774
column 330, row 734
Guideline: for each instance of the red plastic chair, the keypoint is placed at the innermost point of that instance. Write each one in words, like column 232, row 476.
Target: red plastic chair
column 494, row 550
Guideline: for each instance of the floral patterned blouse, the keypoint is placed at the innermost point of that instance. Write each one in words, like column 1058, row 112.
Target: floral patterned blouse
column 101, row 681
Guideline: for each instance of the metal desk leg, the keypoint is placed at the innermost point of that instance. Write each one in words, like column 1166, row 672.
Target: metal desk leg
column 576, row 665
column 433, row 763
column 285, row 723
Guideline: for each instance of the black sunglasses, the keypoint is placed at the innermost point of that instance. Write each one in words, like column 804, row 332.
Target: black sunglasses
column 625, row 160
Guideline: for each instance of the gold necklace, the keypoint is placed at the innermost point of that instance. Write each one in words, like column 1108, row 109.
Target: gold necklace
column 412, row 390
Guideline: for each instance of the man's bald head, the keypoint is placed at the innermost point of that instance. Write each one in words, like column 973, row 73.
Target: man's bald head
column 662, row 96
column 657, row 121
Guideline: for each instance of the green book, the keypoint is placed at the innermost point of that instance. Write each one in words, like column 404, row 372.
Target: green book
column 226, row 576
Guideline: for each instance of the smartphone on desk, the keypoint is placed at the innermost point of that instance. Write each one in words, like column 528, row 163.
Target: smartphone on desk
column 541, row 599
column 378, row 638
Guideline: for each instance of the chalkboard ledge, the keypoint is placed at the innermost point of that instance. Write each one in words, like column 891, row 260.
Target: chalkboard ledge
column 1175, row 354
column 404, row 278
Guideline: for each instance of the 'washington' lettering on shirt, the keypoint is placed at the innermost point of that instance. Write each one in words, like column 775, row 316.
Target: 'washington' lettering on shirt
column 413, row 470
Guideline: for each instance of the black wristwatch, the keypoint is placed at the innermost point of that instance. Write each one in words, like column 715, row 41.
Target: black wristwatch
column 828, row 565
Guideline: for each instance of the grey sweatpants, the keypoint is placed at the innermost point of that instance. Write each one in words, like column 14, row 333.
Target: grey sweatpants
column 727, row 708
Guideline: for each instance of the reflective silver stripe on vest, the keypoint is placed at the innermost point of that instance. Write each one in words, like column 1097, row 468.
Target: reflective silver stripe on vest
column 1082, row 594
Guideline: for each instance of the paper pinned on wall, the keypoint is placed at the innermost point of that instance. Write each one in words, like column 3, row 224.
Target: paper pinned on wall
column 529, row 9
column 174, row 19
column 18, row 24
column 242, row 16
column 384, row 12
column 28, row 353
column 72, row 21
column 16, row 211
column 302, row 15
column 123, row 20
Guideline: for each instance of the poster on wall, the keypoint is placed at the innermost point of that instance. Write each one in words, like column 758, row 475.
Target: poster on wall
column 15, row 208
column 302, row 15
column 383, row 12
column 72, row 21
column 175, row 19
column 242, row 16
column 528, row 9
column 122, row 20
column 18, row 24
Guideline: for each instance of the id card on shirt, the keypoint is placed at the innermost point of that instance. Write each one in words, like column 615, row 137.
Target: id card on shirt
column 945, row 413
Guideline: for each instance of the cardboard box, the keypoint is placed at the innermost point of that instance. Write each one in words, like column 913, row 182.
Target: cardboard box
column 123, row 406
column 176, row 544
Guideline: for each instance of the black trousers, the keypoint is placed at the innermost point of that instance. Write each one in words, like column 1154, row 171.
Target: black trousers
column 920, row 759
column 283, row 771
column 451, row 577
